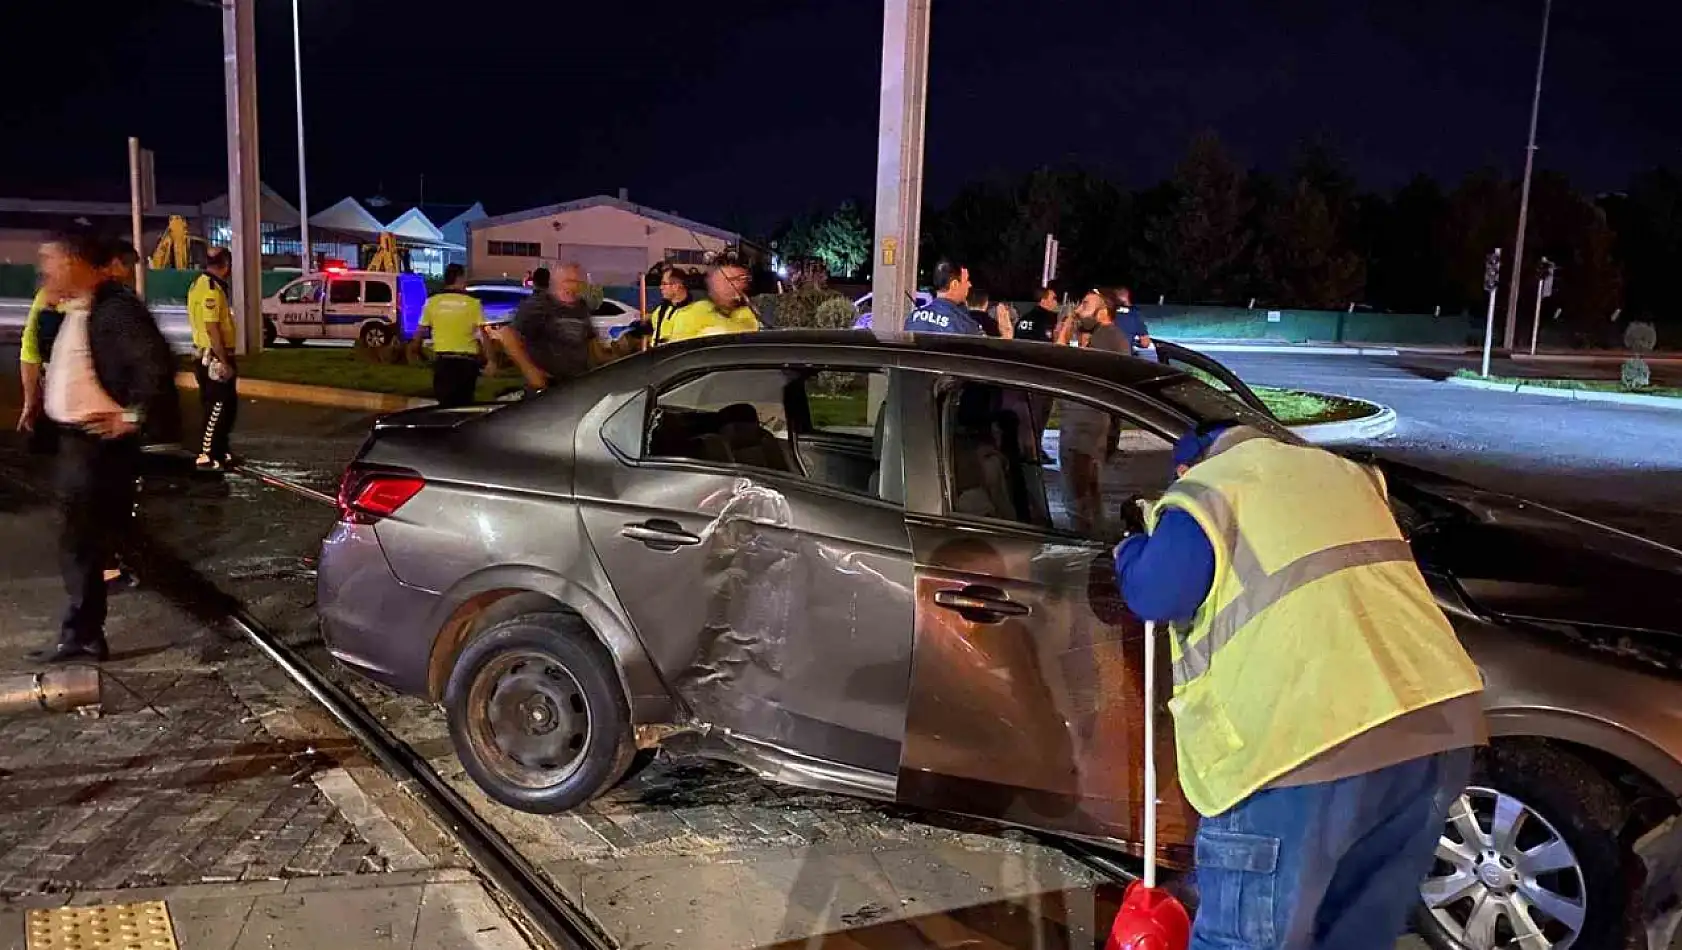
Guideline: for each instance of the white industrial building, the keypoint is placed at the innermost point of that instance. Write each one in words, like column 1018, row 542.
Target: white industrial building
column 616, row 241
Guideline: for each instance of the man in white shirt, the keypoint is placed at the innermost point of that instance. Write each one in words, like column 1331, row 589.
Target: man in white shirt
column 111, row 372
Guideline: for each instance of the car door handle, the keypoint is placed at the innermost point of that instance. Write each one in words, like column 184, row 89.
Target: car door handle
column 660, row 534
column 980, row 604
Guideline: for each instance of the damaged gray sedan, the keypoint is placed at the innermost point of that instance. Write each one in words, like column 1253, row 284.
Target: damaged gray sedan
column 850, row 562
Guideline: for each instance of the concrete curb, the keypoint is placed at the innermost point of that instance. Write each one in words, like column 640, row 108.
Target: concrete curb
column 1381, row 423
column 316, row 395
column 1577, row 395
column 1304, row 349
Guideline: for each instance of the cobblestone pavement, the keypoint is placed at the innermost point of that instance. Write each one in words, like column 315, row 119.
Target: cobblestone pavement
column 178, row 782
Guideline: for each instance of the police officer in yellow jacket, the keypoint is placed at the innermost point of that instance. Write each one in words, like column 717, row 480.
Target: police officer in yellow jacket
column 1324, row 711
column 454, row 320
column 212, row 321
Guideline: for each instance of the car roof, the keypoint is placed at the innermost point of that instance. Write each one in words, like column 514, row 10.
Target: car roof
column 811, row 344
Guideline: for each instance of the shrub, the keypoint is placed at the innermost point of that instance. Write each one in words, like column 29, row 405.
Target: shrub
column 1635, row 374
column 766, row 306
column 836, row 313
column 799, row 309
column 1641, row 337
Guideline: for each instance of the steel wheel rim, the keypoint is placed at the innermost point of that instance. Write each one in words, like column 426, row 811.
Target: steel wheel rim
column 1504, row 877
column 528, row 719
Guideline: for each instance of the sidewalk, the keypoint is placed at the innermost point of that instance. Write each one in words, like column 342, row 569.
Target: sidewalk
column 436, row 910
column 214, row 786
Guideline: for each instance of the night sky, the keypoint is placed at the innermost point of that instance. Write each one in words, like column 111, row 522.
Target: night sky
column 743, row 113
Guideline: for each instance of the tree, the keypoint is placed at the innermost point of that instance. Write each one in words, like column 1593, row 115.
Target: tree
column 1647, row 221
column 1407, row 269
column 1303, row 261
column 841, row 240
column 1199, row 249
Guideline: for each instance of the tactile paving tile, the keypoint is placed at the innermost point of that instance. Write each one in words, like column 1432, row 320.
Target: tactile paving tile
column 144, row 926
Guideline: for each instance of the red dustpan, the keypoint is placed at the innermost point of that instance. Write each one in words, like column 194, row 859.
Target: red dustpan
column 1150, row 918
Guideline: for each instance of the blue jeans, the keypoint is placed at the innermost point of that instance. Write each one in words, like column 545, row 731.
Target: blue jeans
column 1333, row 865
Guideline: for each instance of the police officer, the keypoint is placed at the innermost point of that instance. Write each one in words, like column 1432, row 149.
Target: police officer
column 726, row 309
column 212, row 321
column 454, row 320
column 948, row 312
column 1324, row 711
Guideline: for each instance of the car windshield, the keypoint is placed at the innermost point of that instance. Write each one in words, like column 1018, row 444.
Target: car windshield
column 1202, row 402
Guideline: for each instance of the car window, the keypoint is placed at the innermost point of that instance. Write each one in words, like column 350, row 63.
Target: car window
column 377, row 292
column 344, row 291
column 608, row 308
column 497, row 297
column 743, row 418
column 308, row 291
column 1199, row 401
column 1062, row 465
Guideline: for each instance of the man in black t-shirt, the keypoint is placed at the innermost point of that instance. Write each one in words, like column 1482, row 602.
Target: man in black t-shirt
column 1040, row 323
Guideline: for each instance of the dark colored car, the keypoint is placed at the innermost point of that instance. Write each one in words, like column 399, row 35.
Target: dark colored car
column 840, row 559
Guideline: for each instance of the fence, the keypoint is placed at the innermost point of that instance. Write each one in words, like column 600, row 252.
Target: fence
column 1309, row 326
column 162, row 286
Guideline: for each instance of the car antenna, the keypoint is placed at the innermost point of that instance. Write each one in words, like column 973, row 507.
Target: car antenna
column 747, row 300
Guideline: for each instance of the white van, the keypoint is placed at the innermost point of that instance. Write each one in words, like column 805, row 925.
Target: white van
column 371, row 306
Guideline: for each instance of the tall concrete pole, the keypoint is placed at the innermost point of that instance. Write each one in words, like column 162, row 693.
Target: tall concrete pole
column 899, row 160
column 239, row 73
column 306, row 258
column 1511, row 336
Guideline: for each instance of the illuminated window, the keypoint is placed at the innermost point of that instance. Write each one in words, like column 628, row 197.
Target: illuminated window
column 680, row 255
column 513, row 249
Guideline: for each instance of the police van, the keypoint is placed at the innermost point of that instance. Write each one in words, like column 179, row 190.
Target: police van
column 372, row 306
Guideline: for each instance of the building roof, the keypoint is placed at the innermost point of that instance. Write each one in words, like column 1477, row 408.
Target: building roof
column 607, row 201
column 347, row 214
column 414, row 225
column 271, row 207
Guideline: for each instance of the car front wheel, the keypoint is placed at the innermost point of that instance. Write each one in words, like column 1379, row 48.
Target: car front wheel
column 537, row 715
column 376, row 335
column 1528, row 859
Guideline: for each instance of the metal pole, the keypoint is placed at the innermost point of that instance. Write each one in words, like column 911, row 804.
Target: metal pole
column 1536, row 325
column 307, row 258
column 1524, row 193
column 1488, row 333
column 899, row 159
column 134, row 215
column 239, row 69
column 61, row 690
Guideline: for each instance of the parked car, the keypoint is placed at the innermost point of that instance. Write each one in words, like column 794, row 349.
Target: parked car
column 831, row 557
column 921, row 298
column 610, row 317
column 372, row 306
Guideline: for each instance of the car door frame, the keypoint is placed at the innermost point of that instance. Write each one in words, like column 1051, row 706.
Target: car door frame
column 857, row 585
column 343, row 321
column 953, row 553
column 313, row 327
column 1166, row 351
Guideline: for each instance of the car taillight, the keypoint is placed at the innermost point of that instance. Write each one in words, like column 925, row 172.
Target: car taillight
column 367, row 496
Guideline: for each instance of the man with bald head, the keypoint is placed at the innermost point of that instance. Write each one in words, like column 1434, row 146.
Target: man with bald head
column 549, row 336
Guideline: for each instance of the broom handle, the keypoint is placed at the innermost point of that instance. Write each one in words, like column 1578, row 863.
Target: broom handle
column 1150, row 754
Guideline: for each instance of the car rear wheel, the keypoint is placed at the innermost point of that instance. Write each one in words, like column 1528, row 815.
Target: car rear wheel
column 537, row 715
column 270, row 332
column 376, row 335
column 1528, row 860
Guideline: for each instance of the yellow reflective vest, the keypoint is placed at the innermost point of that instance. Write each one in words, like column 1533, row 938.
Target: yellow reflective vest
column 1318, row 626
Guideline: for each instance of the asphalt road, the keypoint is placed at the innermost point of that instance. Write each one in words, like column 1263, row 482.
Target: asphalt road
column 1614, row 463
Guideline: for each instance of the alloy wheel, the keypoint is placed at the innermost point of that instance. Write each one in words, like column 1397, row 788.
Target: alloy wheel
column 1504, row 877
column 529, row 719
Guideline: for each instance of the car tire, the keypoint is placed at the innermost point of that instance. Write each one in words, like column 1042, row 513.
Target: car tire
column 537, row 715
column 1566, row 802
column 270, row 332
column 376, row 335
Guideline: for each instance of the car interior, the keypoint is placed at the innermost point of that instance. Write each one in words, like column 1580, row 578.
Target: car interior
column 769, row 424
column 996, row 471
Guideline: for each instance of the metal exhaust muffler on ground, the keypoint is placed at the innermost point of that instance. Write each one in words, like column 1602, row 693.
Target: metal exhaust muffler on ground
column 69, row 689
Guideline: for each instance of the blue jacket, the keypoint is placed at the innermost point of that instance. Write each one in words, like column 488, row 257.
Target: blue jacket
column 1166, row 575
column 942, row 316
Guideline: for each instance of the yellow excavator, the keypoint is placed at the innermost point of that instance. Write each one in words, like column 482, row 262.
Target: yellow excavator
column 174, row 244
column 385, row 257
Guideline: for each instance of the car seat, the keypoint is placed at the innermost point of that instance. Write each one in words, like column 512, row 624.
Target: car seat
column 748, row 442
column 980, row 470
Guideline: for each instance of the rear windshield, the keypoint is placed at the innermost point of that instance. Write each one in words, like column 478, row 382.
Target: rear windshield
column 498, row 296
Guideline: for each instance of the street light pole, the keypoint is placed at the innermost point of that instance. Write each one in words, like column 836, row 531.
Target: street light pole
column 306, row 258
column 1511, row 335
column 1491, row 283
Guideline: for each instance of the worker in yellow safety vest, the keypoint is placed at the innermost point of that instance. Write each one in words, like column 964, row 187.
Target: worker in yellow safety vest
column 725, row 310
column 1325, row 714
column 674, row 296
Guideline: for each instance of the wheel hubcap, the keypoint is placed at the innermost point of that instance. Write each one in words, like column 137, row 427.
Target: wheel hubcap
column 1504, row 878
column 530, row 722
